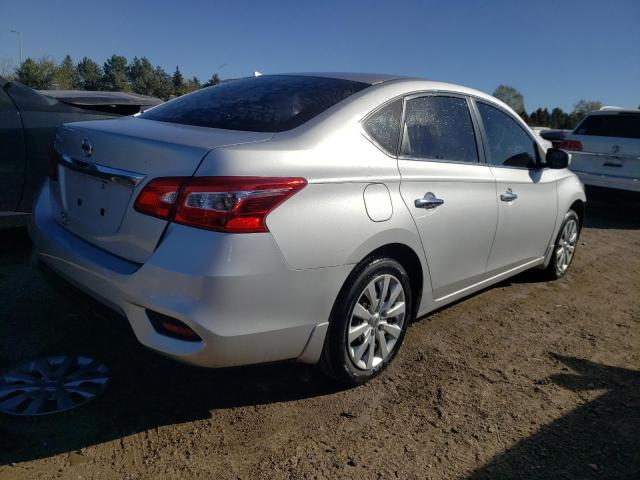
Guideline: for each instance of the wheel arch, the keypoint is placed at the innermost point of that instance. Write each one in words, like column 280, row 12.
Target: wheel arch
column 578, row 206
column 410, row 261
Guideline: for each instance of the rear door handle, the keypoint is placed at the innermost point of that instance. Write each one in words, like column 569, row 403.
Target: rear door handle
column 612, row 164
column 429, row 201
column 508, row 196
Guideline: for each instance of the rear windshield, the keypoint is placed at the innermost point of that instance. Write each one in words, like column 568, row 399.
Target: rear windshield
column 269, row 103
column 625, row 125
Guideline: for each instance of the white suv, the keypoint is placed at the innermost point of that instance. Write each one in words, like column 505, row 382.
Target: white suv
column 605, row 149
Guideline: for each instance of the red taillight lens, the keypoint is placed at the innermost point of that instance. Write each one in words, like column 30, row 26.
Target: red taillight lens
column 159, row 196
column 226, row 204
column 574, row 145
column 52, row 163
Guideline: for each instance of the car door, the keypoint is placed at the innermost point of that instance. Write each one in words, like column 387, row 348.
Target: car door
column 12, row 161
column 526, row 193
column 449, row 191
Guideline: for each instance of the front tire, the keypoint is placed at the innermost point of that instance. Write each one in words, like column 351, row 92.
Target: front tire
column 368, row 321
column 564, row 247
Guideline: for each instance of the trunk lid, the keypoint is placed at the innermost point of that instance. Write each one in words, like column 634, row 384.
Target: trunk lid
column 105, row 165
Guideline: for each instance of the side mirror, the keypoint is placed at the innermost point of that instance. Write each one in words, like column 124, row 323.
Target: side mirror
column 557, row 159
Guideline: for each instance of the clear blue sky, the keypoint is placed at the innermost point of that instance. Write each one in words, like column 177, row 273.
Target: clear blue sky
column 555, row 52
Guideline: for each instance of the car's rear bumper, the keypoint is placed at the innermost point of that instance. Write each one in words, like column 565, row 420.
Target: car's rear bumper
column 609, row 181
column 235, row 291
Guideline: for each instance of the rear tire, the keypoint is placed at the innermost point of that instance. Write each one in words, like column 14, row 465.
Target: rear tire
column 564, row 247
column 368, row 321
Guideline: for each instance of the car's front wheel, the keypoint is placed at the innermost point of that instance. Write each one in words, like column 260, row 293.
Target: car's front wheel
column 564, row 247
column 368, row 321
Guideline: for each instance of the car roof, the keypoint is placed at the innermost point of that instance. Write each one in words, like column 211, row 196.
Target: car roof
column 614, row 111
column 87, row 97
column 370, row 78
column 411, row 83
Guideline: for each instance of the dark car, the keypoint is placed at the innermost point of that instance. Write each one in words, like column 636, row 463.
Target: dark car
column 28, row 122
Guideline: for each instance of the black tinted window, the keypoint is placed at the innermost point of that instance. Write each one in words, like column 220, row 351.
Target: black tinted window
column 509, row 145
column 624, row 125
column 439, row 128
column 5, row 101
column 270, row 103
column 384, row 126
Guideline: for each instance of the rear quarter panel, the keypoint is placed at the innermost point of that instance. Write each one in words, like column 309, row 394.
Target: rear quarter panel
column 326, row 223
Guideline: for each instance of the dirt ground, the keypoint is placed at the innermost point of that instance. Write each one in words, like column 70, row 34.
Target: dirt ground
column 525, row 380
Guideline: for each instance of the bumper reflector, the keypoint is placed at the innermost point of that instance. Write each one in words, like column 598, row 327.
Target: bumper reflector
column 172, row 327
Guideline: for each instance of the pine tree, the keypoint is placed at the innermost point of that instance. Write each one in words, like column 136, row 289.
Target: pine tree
column 66, row 76
column 142, row 76
column 214, row 80
column 89, row 74
column 115, row 74
column 178, row 82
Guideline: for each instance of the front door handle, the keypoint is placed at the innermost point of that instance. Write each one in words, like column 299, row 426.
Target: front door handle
column 508, row 196
column 428, row 201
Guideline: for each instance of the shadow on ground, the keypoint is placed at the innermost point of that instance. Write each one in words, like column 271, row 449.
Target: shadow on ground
column 612, row 209
column 592, row 441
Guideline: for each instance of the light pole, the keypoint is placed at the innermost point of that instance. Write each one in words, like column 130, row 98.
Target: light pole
column 19, row 40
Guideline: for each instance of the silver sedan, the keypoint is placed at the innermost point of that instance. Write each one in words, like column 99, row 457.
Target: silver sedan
column 303, row 216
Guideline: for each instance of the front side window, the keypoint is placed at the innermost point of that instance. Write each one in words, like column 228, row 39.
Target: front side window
column 508, row 143
column 269, row 103
column 438, row 128
column 384, row 126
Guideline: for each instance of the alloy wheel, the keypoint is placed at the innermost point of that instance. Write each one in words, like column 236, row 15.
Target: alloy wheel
column 566, row 246
column 376, row 322
column 51, row 385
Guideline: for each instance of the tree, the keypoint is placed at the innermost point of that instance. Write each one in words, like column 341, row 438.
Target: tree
column 581, row 109
column 115, row 74
column 89, row 74
column 214, row 80
column 162, row 85
column 511, row 96
column 585, row 106
column 178, row 82
column 560, row 119
column 38, row 74
column 66, row 76
column 192, row 85
column 142, row 76
column 7, row 68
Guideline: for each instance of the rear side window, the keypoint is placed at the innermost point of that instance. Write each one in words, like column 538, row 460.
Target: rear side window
column 269, row 103
column 509, row 145
column 384, row 126
column 621, row 125
column 438, row 128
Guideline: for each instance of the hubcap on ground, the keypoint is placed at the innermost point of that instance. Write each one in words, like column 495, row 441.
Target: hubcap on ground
column 566, row 246
column 376, row 322
column 51, row 385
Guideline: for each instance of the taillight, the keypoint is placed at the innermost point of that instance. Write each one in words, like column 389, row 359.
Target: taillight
column 159, row 196
column 225, row 204
column 52, row 163
column 574, row 145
